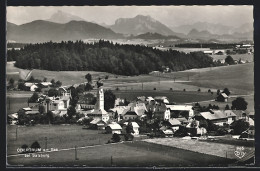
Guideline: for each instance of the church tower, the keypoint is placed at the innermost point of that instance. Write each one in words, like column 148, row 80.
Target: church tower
column 100, row 99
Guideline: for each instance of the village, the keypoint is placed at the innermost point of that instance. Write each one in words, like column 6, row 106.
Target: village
column 145, row 116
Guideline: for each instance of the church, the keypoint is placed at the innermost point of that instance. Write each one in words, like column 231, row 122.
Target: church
column 99, row 112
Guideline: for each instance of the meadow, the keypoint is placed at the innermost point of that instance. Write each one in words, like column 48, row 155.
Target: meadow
column 131, row 154
column 244, row 57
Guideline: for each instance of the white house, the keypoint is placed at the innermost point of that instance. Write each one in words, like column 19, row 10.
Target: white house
column 182, row 108
column 114, row 128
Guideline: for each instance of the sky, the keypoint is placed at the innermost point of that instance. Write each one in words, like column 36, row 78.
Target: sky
column 169, row 15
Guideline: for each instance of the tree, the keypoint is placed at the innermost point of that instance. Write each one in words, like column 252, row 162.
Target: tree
column 50, row 116
column 88, row 87
column 109, row 99
column 239, row 126
column 11, row 82
column 53, row 92
column 227, row 107
column 80, row 89
column 44, row 79
column 229, row 60
column 71, row 111
column 199, row 90
column 226, row 91
column 41, row 109
column 239, row 104
column 58, row 83
column 33, row 98
column 88, row 77
column 116, row 137
column 218, row 92
column 35, row 145
column 129, row 128
column 52, row 81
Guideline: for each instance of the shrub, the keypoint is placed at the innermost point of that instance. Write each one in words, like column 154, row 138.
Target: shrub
column 184, row 89
column 35, row 146
column 116, row 137
column 154, row 88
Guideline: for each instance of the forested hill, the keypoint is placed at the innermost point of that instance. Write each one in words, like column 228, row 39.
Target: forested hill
column 105, row 56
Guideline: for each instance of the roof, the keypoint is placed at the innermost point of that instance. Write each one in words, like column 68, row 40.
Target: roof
column 180, row 107
column 13, row 116
column 224, row 95
column 168, row 132
column 131, row 113
column 97, row 121
column 229, row 113
column 114, row 126
column 28, row 84
column 251, row 113
column 27, row 109
column 216, row 114
column 174, row 121
column 150, row 98
column 134, row 124
column 31, row 112
column 182, row 119
column 239, row 113
column 46, row 83
column 98, row 111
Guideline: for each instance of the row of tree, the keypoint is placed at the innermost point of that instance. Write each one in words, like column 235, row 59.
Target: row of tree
column 106, row 57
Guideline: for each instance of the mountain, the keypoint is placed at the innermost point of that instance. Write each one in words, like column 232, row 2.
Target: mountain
column 63, row 17
column 206, row 35
column 246, row 27
column 43, row 31
column 140, row 25
column 153, row 36
column 200, row 26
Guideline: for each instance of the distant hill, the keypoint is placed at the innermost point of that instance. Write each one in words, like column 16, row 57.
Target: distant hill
column 63, row 17
column 140, row 25
column 43, row 31
column 212, row 31
column 153, row 36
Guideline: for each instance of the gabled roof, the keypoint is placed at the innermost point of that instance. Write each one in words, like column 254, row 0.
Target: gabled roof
column 229, row 113
column 130, row 113
column 168, row 132
column 114, row 126
column 180, row 107
column 216, row 114
column 224, row 95
column 174, row 122
column 182, row 119
column 97, row 121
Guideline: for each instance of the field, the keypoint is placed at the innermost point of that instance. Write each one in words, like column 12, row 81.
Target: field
column 238, row 78
column 222, row 105
column 174, row 96
column 244, row 57
column 210, row 148
column 92, row 150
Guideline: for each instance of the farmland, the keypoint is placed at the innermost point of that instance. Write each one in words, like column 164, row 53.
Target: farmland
column 123, row 154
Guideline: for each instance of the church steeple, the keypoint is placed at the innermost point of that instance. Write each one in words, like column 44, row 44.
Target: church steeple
column 100, row 99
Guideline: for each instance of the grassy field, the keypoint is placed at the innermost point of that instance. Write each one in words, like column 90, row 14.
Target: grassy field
column 238, row 78
column 244, row 57
column 174, row 96
column 222, row 105
column 123, row 154
column 210, row 148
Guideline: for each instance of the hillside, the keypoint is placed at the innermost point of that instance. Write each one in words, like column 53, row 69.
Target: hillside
column 153, row 36
column 105, row 56
column 140, row 25
column 43, row 31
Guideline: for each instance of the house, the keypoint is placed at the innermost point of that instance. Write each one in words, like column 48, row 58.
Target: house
column 46, row 84
column 97, row 123
column 161, row 99
column 130, row 115
column 208, row 52
column 13, row 118
column 138, row 107
column 174, row 124
column 230, row 115
column 113, row 128
column 215, row 116
column 135, row 127
column 222, row 97
column 168, row 132
column 181, row 111
column 183, row 120
column 119, row 101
